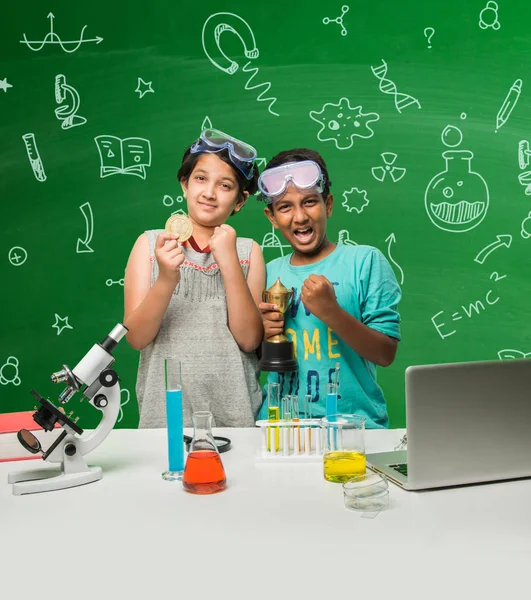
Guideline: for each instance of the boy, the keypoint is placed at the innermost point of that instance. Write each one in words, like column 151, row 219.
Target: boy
column 344, row 309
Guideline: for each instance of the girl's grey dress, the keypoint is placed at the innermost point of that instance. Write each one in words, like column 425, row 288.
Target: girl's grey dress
column 216, row 375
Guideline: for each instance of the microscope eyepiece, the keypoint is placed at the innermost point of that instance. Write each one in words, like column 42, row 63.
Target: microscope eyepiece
column 110, row 342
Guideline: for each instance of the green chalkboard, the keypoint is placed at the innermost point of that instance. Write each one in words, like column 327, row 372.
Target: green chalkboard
column 422, row 111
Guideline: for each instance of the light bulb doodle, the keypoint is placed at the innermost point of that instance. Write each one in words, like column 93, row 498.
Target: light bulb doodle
column 221, row 22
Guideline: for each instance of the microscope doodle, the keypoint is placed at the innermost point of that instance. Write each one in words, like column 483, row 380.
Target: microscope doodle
column 523, row 162
column 488, row 17
column 356, row 202
column 17, row 256
column 221, row 22
column 82, row 246
column 9, row 372
column 34, row 156
column 68, row 98
column 93, row 378
column 341, row 123
column 128, row 156
column 344, row 238
column 339, row 20
column 388, row 87
column 52, row 38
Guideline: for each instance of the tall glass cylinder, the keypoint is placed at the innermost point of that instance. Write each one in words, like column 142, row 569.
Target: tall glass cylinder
column 174, row 419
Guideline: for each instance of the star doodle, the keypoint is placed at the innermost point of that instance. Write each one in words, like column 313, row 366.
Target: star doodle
column 357, row 202
column 144, row 87
column 340, row 123
column 61, row 327
column 4, row 85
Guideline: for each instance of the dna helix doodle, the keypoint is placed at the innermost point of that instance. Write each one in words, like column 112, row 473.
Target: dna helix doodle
column 388, row 87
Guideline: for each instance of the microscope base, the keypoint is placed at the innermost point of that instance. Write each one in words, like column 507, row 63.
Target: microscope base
column 47, row 480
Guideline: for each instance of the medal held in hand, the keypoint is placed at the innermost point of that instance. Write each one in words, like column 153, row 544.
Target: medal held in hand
column 278, row 352
column 181, row 226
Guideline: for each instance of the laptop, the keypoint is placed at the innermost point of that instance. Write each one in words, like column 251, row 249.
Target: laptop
column 466, row 423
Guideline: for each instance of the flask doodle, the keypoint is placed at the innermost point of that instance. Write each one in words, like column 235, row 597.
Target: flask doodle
column 457, row 199
column 429, row 32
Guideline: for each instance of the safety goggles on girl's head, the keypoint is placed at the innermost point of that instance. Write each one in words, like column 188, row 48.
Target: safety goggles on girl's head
column 241, row 155
column 304, row 175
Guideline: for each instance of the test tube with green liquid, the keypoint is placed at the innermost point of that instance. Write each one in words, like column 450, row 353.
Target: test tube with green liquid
column 273, row 416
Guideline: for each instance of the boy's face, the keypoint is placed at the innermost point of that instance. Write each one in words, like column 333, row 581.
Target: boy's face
column 212, row 191
column 301, row 216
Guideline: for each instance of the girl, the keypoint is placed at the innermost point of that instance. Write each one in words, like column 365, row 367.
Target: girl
column 197, row 301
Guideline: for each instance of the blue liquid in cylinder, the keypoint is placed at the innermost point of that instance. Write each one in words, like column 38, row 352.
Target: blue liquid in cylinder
column 331, row 404
column 174, row 417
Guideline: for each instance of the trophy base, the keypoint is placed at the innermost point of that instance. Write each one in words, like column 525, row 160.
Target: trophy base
column 278, row 357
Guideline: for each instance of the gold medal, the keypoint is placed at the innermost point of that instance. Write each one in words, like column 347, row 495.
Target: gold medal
column 181, row 226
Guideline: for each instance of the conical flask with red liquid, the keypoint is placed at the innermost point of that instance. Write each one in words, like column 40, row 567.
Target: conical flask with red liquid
column 203, row 472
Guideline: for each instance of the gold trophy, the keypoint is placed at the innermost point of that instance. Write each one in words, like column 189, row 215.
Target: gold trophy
column 278, row 353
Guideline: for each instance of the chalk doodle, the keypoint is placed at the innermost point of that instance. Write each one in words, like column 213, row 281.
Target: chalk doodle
column 488, row 17
column 68, row 99
column 5, row 85
column 355, row 199
column 344, row 238
column 396, row 173
column 221, row 22
column 339, row 20
column 271, row 240
column 128, row 156
column 82, row 246
column 391, row 239
column 508, row 354
column 52, row 38
column 17, row 256
column 470, row 311
column 501, row 240
column 61, row 323
column 388, row 87
column 9, row 372
column 341, row 123
column 34, row 156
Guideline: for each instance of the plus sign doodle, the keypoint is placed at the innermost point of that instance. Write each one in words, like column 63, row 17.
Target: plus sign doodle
column 17, row 256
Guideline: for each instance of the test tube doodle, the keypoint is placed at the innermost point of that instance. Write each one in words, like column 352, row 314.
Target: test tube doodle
column 34, row 156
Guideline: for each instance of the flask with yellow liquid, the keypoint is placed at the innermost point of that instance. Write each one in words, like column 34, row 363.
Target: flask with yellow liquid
column 344, row 447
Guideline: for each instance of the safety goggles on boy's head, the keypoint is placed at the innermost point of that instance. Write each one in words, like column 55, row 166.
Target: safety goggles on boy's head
column 241, row 155
column 304, row 175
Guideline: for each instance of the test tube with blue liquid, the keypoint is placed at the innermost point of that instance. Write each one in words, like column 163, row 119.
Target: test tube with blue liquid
column 174, row 419
column 331, row 403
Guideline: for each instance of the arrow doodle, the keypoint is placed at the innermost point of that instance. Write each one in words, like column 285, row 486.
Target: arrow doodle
column 501, row 240
column 83, row 245
column 52, row 38
column 390, row 239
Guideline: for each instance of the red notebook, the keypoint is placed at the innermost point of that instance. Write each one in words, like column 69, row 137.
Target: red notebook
column 10, row 424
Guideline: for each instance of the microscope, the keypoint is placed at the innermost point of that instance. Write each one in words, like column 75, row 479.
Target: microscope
column 93, row 378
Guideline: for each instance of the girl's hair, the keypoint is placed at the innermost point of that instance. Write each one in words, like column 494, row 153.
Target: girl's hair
column 298, row 155
column 244, row 184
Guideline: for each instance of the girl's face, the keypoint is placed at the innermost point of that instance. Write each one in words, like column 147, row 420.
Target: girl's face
column 301, row 218
column 212, row 192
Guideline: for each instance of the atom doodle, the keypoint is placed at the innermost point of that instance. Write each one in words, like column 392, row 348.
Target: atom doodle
column 341, row 123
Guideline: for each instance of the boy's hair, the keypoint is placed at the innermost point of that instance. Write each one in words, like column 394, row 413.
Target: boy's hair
column 298, row 155
column 244, row 184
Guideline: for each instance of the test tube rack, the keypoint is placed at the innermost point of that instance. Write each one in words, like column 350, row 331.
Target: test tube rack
column 290, row 441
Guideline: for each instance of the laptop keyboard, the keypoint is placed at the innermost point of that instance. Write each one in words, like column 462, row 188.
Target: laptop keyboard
column 401, row 468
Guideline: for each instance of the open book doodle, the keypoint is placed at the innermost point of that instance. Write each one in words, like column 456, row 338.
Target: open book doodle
column 129, row 156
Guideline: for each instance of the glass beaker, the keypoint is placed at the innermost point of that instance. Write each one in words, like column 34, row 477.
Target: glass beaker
column 174, row 419
column 344, row 447
column 204, row 472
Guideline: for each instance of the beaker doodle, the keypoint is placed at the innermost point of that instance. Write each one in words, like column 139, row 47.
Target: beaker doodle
column 204, row 472
column 457, row 199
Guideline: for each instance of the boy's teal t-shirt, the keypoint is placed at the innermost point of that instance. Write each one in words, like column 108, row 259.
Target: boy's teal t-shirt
column 366, row 287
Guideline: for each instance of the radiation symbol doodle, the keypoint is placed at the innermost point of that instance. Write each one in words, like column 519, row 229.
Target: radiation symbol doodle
column 396, row 173
column 9, row 372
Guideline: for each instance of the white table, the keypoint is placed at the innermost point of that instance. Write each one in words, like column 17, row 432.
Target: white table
column 277, row 525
